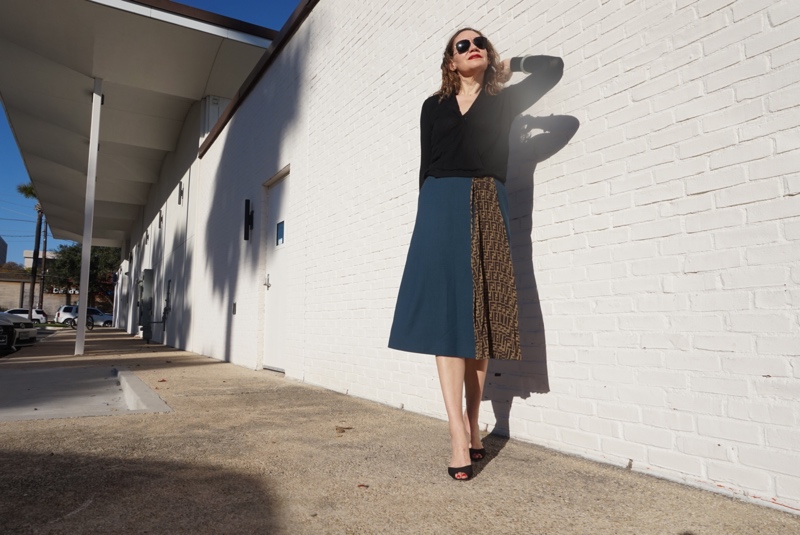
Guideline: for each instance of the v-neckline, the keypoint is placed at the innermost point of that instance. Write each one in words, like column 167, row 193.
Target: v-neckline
column 464, row 113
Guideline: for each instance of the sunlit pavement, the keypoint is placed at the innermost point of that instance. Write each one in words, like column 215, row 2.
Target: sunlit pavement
column 250, row 452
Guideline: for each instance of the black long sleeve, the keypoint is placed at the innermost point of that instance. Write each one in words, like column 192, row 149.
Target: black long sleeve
column 475, row 144
column 425, row 129
column 545, row 73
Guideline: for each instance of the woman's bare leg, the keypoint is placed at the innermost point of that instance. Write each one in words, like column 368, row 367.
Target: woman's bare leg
column 474, row 379
column 451, row 378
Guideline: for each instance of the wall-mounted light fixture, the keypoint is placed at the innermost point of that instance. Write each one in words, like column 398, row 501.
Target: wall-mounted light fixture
column 248, row 219
column 180, row 192
column 160, row 219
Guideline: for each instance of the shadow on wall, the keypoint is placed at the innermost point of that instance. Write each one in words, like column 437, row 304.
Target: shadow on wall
column 72, row 493
column 174, row 308
column 178, row 319
column 252, row 153
column 508, row 379
column 157, row 237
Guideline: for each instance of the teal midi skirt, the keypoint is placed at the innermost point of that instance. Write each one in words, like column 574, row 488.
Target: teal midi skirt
column 436, row 311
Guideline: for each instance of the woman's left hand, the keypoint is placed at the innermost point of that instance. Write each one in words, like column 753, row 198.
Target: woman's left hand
column 504, row 75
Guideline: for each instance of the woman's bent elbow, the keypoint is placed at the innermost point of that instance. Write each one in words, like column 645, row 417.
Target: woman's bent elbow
column 557, row 68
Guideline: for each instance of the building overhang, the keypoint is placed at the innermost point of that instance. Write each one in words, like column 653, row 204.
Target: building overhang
column 156, row 59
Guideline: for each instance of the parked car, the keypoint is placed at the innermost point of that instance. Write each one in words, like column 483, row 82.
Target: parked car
column 15, row 332
column 39, row 315
column 66, row 314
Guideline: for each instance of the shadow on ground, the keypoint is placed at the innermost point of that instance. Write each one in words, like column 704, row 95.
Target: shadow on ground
column 247, row 451
column 55, row 493
column 107, row 347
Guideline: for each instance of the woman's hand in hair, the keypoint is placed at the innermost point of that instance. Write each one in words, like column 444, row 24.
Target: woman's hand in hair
column 504, row 75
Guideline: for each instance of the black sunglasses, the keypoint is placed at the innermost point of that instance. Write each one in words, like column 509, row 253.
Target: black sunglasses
column 464, row 45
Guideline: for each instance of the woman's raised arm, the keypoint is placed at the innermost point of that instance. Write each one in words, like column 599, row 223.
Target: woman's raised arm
column 544, row 72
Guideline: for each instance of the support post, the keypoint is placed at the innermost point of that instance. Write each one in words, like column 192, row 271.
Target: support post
column 44, row 262
column 88, row 215
column 35, row 265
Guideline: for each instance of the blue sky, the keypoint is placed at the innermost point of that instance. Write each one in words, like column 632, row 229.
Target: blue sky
column 17, row 214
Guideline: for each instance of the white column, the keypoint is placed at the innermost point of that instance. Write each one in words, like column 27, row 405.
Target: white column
column 88, row 214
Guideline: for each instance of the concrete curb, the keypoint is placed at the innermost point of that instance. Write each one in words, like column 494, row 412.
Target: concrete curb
column 139, row 397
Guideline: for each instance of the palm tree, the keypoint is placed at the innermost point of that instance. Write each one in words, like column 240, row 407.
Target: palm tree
column 27, row 191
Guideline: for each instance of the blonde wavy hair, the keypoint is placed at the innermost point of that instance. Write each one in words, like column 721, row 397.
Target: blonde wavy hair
column 451, row 81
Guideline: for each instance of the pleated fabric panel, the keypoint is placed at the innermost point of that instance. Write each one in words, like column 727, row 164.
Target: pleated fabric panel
column 494, row 291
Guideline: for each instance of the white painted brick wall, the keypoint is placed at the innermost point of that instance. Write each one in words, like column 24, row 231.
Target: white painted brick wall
column 665, row 235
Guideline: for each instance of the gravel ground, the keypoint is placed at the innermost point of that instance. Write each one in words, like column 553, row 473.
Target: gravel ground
column 251, row 452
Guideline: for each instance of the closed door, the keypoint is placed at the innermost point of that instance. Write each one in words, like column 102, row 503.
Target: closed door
column 276, row 295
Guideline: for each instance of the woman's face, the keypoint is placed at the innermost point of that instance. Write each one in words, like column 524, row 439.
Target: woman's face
column 474, row 60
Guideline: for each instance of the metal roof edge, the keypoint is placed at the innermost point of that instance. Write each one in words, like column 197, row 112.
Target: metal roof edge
column 289, row 29
column 169, row 7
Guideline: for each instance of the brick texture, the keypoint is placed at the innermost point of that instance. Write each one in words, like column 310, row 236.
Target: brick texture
column 656, row 253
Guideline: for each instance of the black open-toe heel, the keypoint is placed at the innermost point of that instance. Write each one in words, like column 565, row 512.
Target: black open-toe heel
column 466, row 470
column 477, row 454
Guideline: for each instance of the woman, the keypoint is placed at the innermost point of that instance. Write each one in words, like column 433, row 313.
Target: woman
column 457, row 298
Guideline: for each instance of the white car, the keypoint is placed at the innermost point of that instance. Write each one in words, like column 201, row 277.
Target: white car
column 15, row 332
column 100, row 317
column 66, row 314
column 39, row 315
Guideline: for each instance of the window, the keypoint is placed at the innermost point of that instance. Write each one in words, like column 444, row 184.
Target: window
column 279, row 234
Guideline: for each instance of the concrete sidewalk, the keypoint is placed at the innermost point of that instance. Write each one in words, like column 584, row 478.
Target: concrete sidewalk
column 251, row 452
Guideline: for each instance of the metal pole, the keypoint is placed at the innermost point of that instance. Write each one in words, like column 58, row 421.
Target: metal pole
column 88, row 215
column 35, row 261
column 44, row 263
